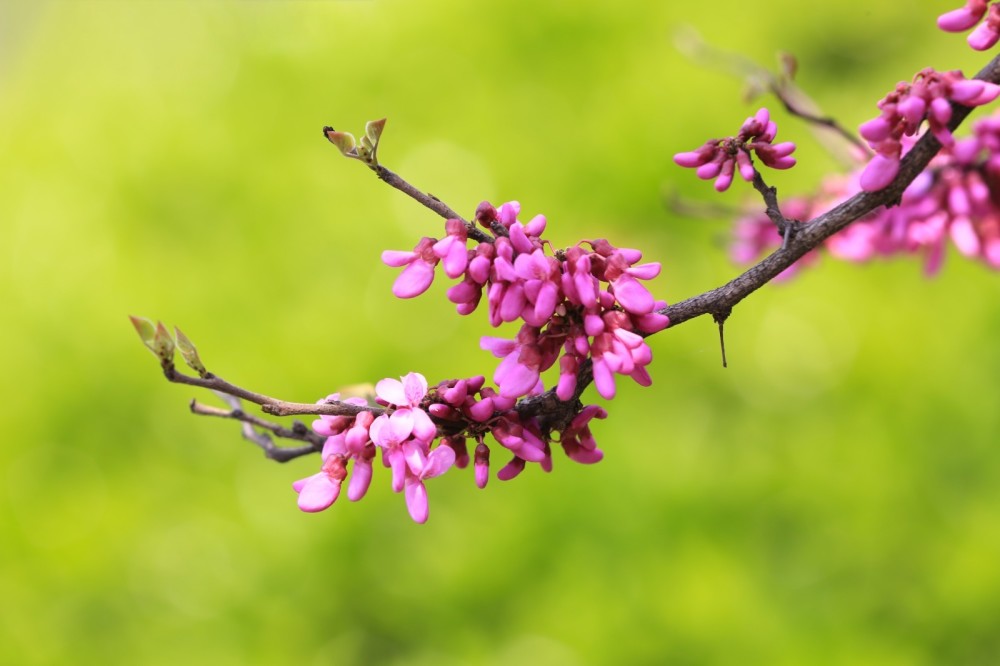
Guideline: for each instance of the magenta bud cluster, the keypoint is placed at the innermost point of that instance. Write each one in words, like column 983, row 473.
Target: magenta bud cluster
column 929, row 97
column 986, row 34
column 422, row 433
column 583, row 303
column 720, row 158
column 954, row 201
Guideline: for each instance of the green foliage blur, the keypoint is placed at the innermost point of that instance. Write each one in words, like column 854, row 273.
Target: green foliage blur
column 833, row 497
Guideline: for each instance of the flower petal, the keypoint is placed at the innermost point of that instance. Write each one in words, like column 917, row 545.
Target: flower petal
column 416, row 499
column 414, row 280
column 361, row 478
column 318, row 492
column 392, row 391
column 439, row 461
column 415, row 387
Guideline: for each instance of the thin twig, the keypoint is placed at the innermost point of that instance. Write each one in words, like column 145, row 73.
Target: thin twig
column 760, row 79
column 268, row 405
column 770, row 196
column 429, row 201
column 686, row 207
column 298, row 431
column 779, row 90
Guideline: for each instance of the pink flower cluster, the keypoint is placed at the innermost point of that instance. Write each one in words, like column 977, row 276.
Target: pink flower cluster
column 960, row 20
column 585, row 302
column 955, row 199
column 404, row 436
column 414, row 417
column 719, row 158
column 903, row 111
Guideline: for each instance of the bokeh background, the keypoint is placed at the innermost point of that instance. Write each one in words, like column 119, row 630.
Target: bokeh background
column 833, row 497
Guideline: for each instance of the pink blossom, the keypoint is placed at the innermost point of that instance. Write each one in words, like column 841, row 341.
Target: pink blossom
column 959, row 20
column 560, row 298
column 950, row 202
column 452, row 249
column 929, row 97
column 482, row 465
column 319, row 491
column 419, row 271
column 722, row 158
column 424, row 467
column 577, row 440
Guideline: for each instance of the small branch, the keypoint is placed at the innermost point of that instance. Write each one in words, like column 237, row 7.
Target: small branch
column 779, row 91
column 298, row 431
column 770, row 196
column 268, row 404
column 761, row 79
column 429, row 201
column 683, row 206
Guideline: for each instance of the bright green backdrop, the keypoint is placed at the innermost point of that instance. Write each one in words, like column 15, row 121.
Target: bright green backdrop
column 831, row 498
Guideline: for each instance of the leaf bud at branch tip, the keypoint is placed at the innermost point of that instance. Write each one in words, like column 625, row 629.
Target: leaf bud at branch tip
column 146, row 330
column 373, row 130
column 163, row 344
column 189, row 353
column 366, row 149
column 344, row 141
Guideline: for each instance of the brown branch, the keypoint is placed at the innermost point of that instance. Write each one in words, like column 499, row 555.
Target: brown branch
column 268, row 405
column 429, row 201
column 299, row 431
column 779, row 90
column 772, row 209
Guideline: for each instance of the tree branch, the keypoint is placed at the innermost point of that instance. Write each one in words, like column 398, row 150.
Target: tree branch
column 779, row 91
column 299, row 431
column 555, row 414
column 771, row 207
column 429, row 201
column 268, row 404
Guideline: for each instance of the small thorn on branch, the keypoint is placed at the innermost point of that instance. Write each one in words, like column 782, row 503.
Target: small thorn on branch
column 720, row 318
column 787, row 235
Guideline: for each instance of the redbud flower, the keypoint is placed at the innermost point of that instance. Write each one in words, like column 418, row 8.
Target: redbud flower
column 319, row 491
column 904, row 110
column 960, row 20
column 952, row 201
column 720, row 158
column 561, row 298
column 577, row 440
column 482, row 464
column 419, row 271
column 451, row 249
column 424, row 467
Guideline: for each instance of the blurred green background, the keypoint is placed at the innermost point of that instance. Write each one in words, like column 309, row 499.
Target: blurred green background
column 831, row 498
